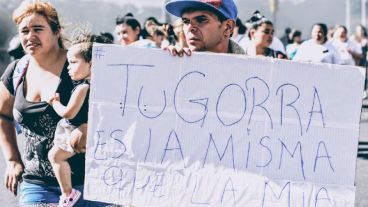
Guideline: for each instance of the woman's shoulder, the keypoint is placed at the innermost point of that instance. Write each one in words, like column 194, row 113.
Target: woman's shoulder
column 9, row 70
column 13, row 72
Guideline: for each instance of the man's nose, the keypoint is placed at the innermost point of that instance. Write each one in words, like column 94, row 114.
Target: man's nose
column 192, row 27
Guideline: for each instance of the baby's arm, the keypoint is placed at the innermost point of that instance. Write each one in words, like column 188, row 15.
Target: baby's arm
column 74, row 105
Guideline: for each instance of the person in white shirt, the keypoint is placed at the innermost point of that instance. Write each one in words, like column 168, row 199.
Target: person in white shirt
column 361, row 39
column 350, row 52
column 318, row 49
column 260, row 37
column 276, row 43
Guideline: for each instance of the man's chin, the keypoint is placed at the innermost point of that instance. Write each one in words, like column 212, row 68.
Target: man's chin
column 195, row 48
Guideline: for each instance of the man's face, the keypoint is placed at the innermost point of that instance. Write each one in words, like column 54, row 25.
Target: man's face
column 203, row 30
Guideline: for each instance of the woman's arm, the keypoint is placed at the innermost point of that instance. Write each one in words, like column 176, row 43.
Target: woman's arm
column 8, row 141
column 74, row 105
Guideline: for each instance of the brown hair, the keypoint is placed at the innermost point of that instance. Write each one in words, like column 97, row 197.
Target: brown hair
column 42, row 8
column 84, row 43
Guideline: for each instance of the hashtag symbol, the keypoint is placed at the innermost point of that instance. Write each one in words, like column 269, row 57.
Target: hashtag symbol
column 99, row 53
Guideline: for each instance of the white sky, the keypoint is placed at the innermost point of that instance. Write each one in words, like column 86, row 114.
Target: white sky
column 159, row 3
column 137, row 3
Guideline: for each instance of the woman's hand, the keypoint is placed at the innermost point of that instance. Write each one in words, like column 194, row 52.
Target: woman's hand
column 13, row 175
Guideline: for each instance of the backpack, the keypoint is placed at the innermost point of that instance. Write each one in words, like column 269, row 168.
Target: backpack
column 20, row 70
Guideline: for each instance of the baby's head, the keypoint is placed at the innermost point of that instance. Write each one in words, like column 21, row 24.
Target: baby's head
column 80, row 55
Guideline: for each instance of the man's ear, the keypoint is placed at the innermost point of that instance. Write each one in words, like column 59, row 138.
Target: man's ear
column 229, row 27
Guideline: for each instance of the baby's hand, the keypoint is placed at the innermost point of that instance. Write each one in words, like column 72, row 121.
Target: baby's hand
column 50, row 100
column 56, row 97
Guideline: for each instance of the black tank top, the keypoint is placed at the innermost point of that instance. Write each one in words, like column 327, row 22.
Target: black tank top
column 82, row 115
column 39, row 120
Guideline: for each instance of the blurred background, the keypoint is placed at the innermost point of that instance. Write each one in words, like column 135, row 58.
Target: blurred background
column 99, row 15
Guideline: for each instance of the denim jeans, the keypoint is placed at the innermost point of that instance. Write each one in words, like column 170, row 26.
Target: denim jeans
column 36, row 194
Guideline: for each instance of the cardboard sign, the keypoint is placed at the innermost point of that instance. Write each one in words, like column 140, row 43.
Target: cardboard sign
column 220, row 130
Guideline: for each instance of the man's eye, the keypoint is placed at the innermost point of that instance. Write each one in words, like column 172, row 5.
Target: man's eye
column 201, row 19
column 186, row 21
column 25, row 31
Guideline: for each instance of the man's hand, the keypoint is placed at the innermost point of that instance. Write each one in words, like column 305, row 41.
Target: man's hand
column 178, row 50
column 13, row 175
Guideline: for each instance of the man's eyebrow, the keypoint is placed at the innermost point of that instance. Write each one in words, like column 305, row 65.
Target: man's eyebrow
column 198, row 16
column 201, row 16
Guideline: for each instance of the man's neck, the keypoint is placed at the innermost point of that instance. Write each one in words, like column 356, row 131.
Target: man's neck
column 223, row 47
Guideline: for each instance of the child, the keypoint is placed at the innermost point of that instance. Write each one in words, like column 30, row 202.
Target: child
column 74, row 114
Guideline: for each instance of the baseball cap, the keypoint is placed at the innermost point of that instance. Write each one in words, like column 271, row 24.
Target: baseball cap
column 225, row 8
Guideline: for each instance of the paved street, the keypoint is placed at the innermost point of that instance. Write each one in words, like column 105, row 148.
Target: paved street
column 7, row 200
column 362, row 166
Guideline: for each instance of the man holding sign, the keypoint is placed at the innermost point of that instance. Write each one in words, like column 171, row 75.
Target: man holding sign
column 208, row 25
column 219, row 130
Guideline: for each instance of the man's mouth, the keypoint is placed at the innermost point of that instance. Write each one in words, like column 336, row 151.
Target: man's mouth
column 193, row 39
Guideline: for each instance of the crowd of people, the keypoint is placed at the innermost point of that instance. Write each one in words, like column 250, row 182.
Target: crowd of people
column 46, row 89
column 254, row 35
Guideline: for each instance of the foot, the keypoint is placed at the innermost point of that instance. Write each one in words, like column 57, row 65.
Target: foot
column 69, row 201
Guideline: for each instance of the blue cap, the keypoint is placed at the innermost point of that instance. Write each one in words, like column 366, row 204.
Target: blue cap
column 226, row 8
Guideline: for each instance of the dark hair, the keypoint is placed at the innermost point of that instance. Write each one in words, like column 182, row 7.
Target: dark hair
column 256, row 20
column 154, row 20
column 130, row 21
column 159, row 32
column 109, row 37
column 129, row 14
column 85, row 43
column 288, row 30
column 242, row 28
column 364, row 29
column 169, row 32
column 144, row 33
column 323, row 28
column 294, row 34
